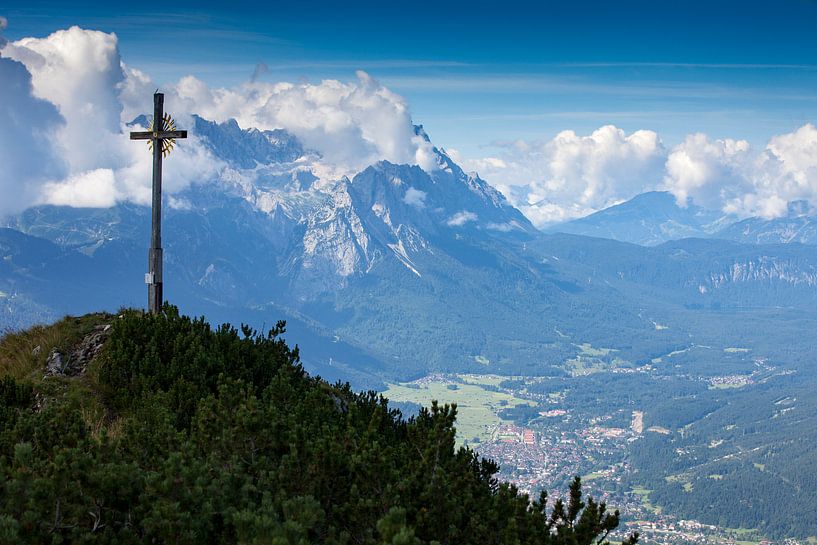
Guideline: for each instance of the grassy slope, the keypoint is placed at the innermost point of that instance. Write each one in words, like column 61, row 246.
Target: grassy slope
column 23, row 357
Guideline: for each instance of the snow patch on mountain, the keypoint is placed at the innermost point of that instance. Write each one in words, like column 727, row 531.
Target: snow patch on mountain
column 340, row 227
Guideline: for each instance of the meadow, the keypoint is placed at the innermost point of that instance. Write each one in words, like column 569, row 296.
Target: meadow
column 478, row 404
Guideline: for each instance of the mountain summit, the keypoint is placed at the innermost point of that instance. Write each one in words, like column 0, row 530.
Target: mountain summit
column 799, row 225
column 647, row 219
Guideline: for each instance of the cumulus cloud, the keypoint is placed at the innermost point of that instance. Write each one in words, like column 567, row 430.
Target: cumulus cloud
column 732, row 176
column 93, row 189
column 482, row 164
column 26, row 126
column 461, row 218
column 78, row 71
column 351, row 124
column 82, row 155
column 27, row 155
column 571, row 176
column 415, row 197
column 76, row 95
column 707, row 172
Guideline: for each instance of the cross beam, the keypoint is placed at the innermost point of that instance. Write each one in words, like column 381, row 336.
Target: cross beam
column 157, row 136
column 163, row 135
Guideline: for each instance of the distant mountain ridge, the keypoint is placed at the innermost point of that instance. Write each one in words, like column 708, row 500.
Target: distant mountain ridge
column 799, row 225
column 653, row 218
column 647, row 219
column 274, row 236
column 247, row 148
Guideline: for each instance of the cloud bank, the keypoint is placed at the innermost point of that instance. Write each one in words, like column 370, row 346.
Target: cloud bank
column 732, row 176
column 27, row 155
column 350, row 124
column 72, row 94
column 571, row 176
column 75, row 85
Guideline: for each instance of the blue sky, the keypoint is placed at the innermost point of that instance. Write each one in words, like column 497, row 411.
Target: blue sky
column 479, row 72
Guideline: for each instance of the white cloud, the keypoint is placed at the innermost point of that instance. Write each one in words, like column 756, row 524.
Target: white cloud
column 704, row 170
column 78, row 71
column 93, row 189
column 484, row 164
column 27, row 155
column 79, row 74
column 572, row 175
column 136, row 94
column 351, row 124
column 79, row 77
column 415, row 197
column 732, row 176
column 461, row 218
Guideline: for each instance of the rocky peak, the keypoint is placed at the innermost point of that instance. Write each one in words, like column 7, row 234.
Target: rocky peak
column 247, row 148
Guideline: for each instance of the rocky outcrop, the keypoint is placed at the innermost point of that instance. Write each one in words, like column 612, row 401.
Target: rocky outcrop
column 75, row 361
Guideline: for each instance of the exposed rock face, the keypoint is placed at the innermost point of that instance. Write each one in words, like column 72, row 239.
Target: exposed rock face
column 765, row 269
column 247, row 148
column 77, row 360
column 54, row 365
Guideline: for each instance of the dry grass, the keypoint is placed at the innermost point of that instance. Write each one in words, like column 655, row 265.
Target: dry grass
column 19, row 355
column 23, row 354
column 98, row 422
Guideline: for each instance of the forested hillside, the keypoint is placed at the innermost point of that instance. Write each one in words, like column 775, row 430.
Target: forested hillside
column 159, row 429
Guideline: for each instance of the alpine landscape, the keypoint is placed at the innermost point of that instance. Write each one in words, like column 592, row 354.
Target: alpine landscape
column 657, row 342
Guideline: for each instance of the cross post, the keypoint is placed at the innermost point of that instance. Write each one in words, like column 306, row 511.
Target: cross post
column 162, row 135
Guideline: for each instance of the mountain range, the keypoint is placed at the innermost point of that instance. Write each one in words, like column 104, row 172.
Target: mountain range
column 395, row 272
column 655, row 217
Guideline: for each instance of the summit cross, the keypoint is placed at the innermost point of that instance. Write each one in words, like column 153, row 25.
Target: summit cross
column 161, row 137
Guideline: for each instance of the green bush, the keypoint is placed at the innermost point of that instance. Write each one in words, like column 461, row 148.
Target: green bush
column 218, row 436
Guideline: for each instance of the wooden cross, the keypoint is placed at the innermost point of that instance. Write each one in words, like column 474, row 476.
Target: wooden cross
column 161, row 138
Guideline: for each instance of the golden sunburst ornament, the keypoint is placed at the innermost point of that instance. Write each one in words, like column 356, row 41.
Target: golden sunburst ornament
column 167, row 125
